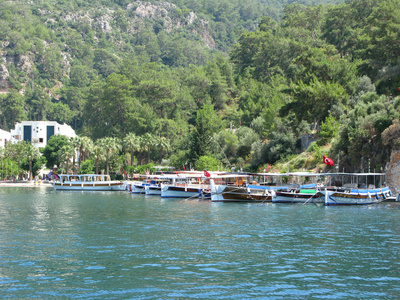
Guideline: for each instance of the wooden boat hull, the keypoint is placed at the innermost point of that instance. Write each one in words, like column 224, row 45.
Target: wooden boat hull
column 297, row 197
column 222, row 193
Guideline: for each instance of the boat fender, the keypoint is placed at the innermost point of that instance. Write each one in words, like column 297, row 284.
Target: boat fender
column 376, row 196
column 273, row 194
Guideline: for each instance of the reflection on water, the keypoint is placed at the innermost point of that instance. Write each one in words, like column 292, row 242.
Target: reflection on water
column 116, row 245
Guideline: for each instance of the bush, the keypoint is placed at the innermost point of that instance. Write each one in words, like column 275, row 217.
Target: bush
column 87, row 167
column 207, row 163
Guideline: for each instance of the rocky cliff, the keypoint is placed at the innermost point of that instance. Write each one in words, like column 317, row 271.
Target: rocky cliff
column 85, row 28
column 393, row 172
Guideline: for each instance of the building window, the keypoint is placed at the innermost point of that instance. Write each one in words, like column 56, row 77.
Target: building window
column 40, row 140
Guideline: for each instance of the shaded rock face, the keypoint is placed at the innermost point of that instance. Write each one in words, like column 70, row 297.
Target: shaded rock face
column 4, row 74
column 166, row 12
column 393, row 172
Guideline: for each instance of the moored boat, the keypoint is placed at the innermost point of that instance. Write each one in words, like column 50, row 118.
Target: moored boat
column 226, row 193
column 153, row 189
column 235, row 188
column 138, row 187
column 342, row 196
column 185, row 185
column 304, row 194
column 149, row 185
column 88, row 182
column 359, row 189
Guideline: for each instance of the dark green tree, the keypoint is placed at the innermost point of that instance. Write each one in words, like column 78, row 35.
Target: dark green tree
column 207, row 122
column 51, row 151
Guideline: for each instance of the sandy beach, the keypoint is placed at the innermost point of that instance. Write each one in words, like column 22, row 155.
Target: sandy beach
column 25, row 184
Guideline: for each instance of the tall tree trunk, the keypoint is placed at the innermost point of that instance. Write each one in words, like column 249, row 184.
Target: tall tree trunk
column 107, row 163
column 97, row 165
column 30, row 168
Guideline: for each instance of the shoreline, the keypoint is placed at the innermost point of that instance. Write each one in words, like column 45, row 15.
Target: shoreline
column 25, row 184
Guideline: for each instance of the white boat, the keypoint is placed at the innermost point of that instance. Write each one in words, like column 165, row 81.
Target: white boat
column 343, row 196
column 361, row 190
column 184, row 185
column 138, row 187
column 150, row 185
column 181, row 191
column 88, row 182
column 153, row 189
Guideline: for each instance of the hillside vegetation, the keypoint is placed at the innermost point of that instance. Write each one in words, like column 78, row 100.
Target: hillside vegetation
column 238, row 84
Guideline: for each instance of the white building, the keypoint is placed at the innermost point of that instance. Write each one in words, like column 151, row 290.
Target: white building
column 39, row 132
column 5, row 136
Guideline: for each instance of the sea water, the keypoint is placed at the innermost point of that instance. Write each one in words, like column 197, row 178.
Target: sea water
column 115, row 245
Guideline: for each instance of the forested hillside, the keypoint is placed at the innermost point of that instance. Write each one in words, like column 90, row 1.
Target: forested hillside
column 209, row 83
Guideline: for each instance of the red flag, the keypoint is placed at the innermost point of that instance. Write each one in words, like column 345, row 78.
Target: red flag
column 184, row 167
column 328, row 161
column 125, row 173
column 207, row 174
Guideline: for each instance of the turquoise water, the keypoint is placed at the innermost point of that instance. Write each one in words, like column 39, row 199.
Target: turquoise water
column 114, row 245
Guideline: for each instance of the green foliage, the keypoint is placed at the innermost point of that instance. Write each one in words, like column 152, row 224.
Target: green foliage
column 246, row 137
column 144, row 168
column 279, row 146
column 208, row 163
column 9, row 169
column 52, row 150
column 207, row 122
column 87, row 167
column 37, row 165
column 12, row 108
column 313, row 102
column 329, row 129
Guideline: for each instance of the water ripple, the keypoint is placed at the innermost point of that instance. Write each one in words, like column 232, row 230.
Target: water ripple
column 116, row 245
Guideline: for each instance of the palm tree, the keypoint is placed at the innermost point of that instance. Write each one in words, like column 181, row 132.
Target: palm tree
column 75, row 142
column 66, row 152
column 98, row 152
column 163, row 143
column 148, row 141
column 31, row 153
column 87, row 147
column 110, row 146
column 131, row 144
